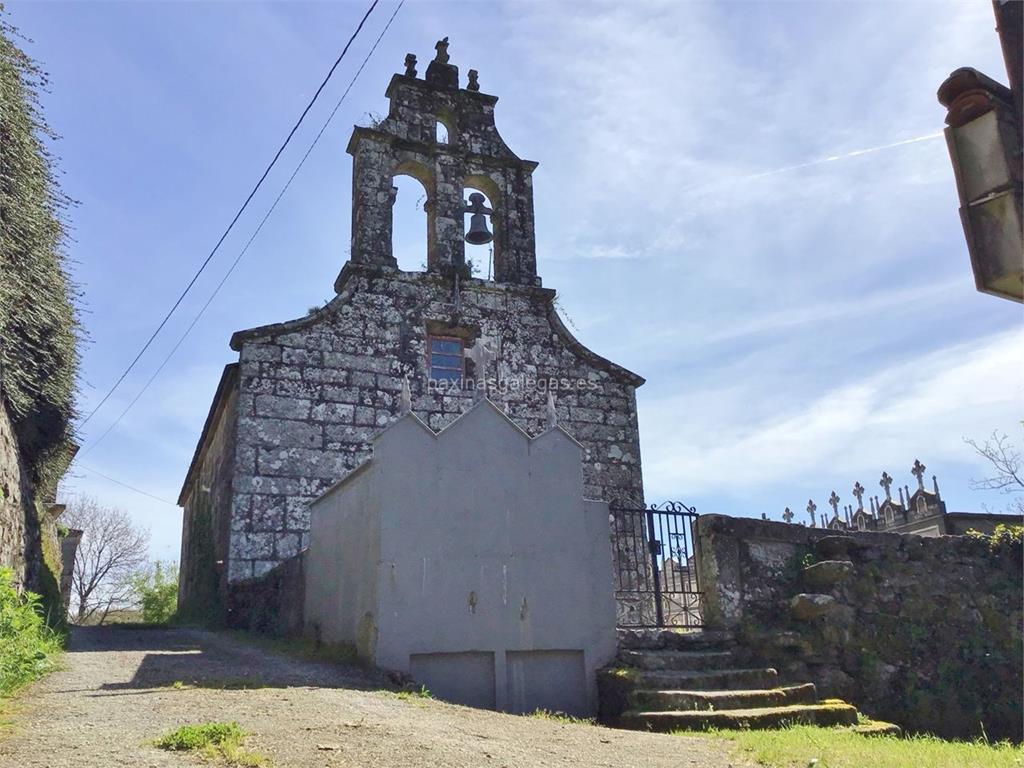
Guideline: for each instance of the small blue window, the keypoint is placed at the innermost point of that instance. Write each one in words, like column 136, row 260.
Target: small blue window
column 445, row 358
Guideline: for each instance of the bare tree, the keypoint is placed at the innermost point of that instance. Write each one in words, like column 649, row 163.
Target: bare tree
column 1001, row 452
column 113, row 549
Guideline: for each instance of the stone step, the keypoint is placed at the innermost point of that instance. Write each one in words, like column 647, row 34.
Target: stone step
column 721, row 700
column 825, row 714
column 676, row 639
column 709, row 680
column 678, row 660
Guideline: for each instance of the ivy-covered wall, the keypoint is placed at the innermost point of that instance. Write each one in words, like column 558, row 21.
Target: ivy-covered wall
column 38, row 328
column 922, row 632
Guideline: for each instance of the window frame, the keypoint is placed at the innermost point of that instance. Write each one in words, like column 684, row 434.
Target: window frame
column 431, row 338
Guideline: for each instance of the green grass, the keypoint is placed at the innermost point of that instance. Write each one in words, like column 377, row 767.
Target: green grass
column 28, row 647
column 561, row 717
column 214, row 741
column 801, row 745
column 421, row 693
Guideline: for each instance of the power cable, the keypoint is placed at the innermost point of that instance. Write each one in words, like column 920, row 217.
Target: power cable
column 242, row 253
column 125, row 485
column 252, row 194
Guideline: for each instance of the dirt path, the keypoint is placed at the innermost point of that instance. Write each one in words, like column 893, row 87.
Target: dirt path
column 115, row 694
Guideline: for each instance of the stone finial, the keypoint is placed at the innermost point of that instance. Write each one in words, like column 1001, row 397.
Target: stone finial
column 811, row 509
column 935, row 485
column 787, row 515
column 918, row 471
column 886, row 482
column 405, row 400
column 552, row 414
column 858, row 491
column 474, row 82
column 410, row 65
column 441, row 46
column 439, row 72
column 902, row 503
column 833, row 501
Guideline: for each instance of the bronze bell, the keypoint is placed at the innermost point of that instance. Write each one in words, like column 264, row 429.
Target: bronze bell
column 478, row 232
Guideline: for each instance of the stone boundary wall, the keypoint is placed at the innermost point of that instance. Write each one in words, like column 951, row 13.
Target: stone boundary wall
column 15, row 496
column 922, row 632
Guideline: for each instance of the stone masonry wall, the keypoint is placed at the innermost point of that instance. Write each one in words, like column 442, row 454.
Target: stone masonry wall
column 207, row 521
column 923, row 632
column 15, row 496
column 313, row 391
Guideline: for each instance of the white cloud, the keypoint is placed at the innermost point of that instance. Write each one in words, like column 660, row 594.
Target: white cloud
column 923, row 406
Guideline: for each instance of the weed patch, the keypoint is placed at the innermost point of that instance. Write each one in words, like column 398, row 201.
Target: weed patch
column 214, row 741
column 28, row 647
column 561, row 717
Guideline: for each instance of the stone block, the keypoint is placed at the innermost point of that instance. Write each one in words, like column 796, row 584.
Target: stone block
column 300, row 462
column 282, row 433
column 827, row 573
column 257, row 352
column 274, row 406
column 833, row 547
column 807, row 607
column 335, row 413
column 286, row 545
column 251, row 545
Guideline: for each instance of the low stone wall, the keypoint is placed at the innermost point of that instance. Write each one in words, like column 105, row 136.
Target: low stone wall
column 923, row 632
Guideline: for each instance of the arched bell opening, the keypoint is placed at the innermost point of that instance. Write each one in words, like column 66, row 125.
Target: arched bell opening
column 444, row 130
column 482, row 226
column 411, row 217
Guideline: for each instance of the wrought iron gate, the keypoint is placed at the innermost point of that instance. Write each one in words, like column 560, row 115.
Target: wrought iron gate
column 656, row 566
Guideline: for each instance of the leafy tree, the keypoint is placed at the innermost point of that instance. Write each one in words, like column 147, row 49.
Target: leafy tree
column 156, row 589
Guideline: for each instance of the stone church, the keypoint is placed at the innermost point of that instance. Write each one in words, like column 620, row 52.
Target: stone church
column 299, row 407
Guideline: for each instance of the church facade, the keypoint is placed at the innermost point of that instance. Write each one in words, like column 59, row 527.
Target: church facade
column 299, row 407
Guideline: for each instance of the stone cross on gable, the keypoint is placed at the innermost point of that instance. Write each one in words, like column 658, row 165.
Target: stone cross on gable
column 834, row 501
column 858, row 491
column 788, row 515
column 918, row 471
column 442, row 51
column 886, row 482
column 811, row 509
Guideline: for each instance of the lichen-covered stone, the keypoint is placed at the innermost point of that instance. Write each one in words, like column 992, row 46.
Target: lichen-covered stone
column 827, row 573
column 924, row 632
column 807, row 607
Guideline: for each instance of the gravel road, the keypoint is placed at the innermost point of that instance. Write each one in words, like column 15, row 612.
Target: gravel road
column 116, row 694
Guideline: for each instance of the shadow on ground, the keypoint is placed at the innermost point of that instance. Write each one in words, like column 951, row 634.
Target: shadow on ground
column 181, row 657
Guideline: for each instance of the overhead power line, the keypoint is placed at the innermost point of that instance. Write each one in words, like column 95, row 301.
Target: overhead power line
column 255, row 233
column 241, row 210
column 124, row 485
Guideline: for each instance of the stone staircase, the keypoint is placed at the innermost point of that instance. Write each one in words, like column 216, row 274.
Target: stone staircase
column 670, row 681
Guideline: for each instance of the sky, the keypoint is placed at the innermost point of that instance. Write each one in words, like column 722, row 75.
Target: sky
column 749, row 204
